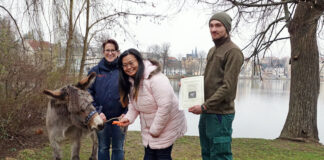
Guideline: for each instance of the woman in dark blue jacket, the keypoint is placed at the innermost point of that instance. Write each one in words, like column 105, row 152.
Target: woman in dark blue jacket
column 106, row 99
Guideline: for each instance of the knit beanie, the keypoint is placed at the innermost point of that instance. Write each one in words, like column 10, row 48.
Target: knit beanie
column 224, row 18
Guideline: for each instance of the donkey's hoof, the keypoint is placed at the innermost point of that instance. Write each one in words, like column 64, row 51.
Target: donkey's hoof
column 92, row 158
column 75, row 158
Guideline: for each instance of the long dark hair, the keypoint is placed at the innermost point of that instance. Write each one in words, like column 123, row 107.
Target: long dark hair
column 124, row 84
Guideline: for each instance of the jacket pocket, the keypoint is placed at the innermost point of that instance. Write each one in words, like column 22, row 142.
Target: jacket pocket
column 221, row 146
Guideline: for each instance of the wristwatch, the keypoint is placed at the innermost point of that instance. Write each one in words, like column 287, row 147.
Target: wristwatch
column 203, row 109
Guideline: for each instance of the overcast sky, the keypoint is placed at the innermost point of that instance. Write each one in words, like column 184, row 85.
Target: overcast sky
column 186, row 31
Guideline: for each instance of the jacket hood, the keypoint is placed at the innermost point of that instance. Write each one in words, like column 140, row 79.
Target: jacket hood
column 152, row 67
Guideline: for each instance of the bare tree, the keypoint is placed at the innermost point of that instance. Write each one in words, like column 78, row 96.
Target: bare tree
column 16, row 25
column 165, row 49
column 154, row 52
column 202, row 61
column 161, row 53
column 67, row 63
column 302, row 19
column 179, row 57
column 92, row 16
column 106, row 20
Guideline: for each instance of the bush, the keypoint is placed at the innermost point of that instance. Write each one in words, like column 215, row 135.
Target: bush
column 22, row 81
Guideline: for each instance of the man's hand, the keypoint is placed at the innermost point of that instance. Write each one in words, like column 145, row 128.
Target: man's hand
column 103, row 117
column 195, row 109
column 124, row 122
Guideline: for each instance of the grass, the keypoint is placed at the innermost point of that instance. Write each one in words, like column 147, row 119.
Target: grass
column 188, row 148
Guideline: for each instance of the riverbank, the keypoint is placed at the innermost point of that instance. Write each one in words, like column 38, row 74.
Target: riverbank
column 178, row 77
column 188, row 148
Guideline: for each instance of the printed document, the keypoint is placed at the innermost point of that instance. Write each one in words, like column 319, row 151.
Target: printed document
column 191, row 92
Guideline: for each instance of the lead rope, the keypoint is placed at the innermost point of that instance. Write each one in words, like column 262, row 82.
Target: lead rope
column 116, row 118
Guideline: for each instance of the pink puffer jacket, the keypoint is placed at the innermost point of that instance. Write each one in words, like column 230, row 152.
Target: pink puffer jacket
column 158, row 108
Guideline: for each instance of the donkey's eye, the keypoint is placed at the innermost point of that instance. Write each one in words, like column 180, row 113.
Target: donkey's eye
column 82, row 110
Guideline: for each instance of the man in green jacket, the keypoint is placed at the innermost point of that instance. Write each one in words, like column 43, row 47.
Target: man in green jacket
column 224, row 62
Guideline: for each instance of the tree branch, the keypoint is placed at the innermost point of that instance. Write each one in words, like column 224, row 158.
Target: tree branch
column 256, row 4
column 22, row 39
column 76, row 19
column 137, row 2
column 119, row 14
column 261, row 36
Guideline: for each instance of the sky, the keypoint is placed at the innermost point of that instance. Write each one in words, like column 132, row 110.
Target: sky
column 189, row 30
column 186, row 31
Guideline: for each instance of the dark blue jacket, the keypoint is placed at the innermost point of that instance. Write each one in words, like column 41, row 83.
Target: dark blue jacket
column 105, row 91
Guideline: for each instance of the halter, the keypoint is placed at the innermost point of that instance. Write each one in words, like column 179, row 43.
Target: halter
column 90, row 116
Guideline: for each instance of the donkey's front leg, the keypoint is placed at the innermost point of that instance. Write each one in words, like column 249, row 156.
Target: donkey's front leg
column 76, row 143
column 57, row 155
column 94, row 139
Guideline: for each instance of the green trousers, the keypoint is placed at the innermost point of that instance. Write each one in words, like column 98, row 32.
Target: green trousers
column 215, row 133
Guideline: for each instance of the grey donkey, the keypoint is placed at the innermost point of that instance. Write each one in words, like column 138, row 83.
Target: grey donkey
column 71, row 115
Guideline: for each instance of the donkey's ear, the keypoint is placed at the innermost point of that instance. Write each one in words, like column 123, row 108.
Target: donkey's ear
column 55, row 94
column 86, row 82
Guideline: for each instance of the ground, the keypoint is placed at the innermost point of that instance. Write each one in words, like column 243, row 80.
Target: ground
column 31, row 137
column 34, row 146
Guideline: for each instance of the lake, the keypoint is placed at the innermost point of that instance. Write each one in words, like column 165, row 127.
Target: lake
column 261, row 110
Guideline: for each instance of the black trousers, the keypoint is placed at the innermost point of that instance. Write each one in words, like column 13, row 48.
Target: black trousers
column 158, row 154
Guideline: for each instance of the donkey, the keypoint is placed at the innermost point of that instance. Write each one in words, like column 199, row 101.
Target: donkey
column 71, row 115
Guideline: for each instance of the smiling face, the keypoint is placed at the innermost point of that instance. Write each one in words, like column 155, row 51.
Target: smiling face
column 110, row 52
column 130, row 65
column 217, row 30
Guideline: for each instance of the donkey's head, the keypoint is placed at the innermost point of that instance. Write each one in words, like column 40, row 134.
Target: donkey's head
column 78, row 103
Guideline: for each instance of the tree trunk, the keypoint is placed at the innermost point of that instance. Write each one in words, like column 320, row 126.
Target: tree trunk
column 85, row 42
column 301, row 122
column 67, row 63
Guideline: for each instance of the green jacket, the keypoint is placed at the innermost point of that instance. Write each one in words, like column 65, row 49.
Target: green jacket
column 220, row 78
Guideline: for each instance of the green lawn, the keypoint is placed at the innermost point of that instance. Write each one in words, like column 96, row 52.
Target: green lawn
column 187, row 148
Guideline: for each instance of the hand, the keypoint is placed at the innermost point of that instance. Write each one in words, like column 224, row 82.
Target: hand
column 154, row 136
column 124, row 122
column 103, row 117
column 121, row 116
column 195, row 109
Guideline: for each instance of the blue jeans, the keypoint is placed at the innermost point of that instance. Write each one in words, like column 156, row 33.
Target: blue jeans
column 158, row 154
column 111, row 134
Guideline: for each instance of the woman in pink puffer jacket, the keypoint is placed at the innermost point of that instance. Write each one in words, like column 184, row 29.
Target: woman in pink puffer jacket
column 148, row 93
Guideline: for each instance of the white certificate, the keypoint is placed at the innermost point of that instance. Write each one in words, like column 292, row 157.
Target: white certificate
column 191, row 92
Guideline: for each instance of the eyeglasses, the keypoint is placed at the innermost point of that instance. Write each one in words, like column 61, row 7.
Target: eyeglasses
column 131, row 64
column 111, row 51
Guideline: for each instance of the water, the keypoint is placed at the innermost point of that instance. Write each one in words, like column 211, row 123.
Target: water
column 261, row 110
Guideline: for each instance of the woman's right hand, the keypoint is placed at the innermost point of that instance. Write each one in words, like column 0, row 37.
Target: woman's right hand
column 103, row 117
column 124, row 122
